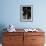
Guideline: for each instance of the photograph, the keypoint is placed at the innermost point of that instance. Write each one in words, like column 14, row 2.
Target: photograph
column 26, row 13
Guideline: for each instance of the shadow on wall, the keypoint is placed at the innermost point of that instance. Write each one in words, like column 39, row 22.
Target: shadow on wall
column 2, row 27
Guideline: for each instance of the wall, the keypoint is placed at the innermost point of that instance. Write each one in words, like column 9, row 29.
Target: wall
column 10, row 12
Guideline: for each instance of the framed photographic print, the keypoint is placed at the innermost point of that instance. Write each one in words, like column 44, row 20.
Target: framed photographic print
column 26, row 13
